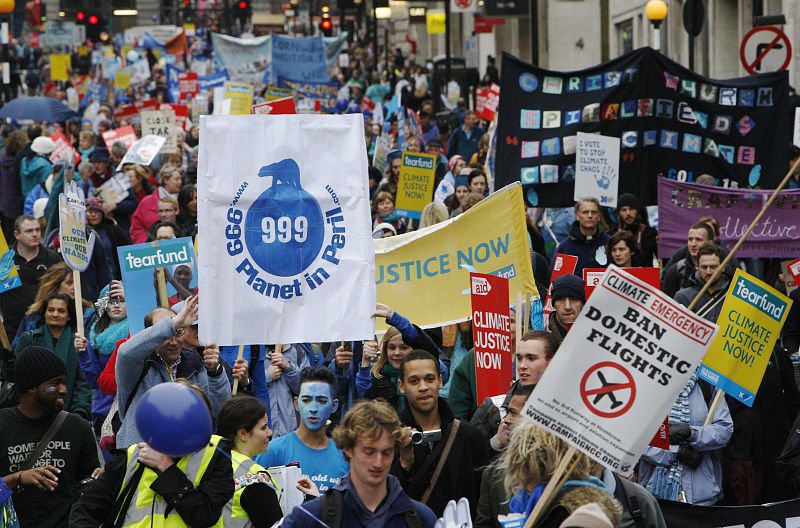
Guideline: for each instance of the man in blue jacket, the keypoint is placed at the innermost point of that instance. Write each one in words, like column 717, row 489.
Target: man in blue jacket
column 586, row 240
column 464, row 140
column 369, row 435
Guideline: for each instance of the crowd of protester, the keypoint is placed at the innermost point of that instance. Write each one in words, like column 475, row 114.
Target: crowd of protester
column 343, row 411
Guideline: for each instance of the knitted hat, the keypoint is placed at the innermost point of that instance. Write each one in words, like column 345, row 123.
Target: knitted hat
column 461, row 181
column 100, row 154
column 568, row 286
column 36, row 365
column 587, row 516
column 393, row 155
column 43, row 145
column 453, row 160
column 435, row 143
column 627, row 200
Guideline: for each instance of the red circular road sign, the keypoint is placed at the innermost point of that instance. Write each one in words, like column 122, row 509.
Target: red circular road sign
column 605, row 380
column 761, row 41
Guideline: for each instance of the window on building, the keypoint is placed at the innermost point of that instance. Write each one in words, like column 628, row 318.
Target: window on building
column 625, row 36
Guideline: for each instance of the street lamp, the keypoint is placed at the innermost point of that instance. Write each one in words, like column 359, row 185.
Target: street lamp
column 656, row 12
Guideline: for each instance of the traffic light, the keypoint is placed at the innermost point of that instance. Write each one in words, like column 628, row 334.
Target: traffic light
column 243, row 8
column 80, row 16
column 326, row 27
column 94, row 23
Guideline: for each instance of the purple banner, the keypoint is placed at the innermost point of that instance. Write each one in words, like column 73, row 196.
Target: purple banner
column 680, row 205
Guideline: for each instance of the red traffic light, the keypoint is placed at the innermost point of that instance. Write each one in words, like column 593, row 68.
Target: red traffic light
column 93, row 20
column 243, row 5
column 80, row 16
column 326, row 24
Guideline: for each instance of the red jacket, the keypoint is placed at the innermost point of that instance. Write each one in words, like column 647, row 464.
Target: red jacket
column 146, row 215
column 107, row 380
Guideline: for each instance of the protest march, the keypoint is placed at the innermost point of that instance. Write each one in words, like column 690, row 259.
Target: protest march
column 305, row 276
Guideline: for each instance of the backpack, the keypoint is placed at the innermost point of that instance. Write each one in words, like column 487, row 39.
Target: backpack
column 332, row 509
column 626, row 495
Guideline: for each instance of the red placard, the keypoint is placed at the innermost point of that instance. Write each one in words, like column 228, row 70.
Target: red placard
column 485, row 25
column 284, row 105
column 661, row 439
column 130, row 113
column 125, row 134
column 491, row 330
column 794, row 270
column 563, row 265
column 181, row 113
column 486, row 100
column 592, row 276
column 188, row 85
column 63, row 148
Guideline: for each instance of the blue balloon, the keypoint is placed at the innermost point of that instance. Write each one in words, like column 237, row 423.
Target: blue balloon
column 173, row 419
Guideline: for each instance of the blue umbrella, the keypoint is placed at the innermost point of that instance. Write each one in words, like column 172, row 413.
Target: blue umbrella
column 37, row 109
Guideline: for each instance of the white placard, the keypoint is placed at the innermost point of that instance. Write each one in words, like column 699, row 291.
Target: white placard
column 161, row 123
column 144, row 151
column 619, row 370
column 597, row 168
column 293, row 259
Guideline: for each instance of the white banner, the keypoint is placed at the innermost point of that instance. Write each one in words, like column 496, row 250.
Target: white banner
column 620, row 368
column 284, row 205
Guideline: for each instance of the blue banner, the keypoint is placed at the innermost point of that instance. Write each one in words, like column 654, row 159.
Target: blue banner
column 325, row 92
column 173, row 89
column 215, row 80
column 96, row 92
column 299, row 59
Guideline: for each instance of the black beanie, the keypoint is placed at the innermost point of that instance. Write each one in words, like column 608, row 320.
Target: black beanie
column 36, row 365
column 568, row 286
column 629, row 200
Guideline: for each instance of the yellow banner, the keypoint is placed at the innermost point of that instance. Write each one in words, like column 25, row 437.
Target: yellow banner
column 424, row 275
column 415, row 187
column 122, row 80
column 435, row 23
column 9, row 278
column 60, row 65
column 749, row 326
column 241, row 96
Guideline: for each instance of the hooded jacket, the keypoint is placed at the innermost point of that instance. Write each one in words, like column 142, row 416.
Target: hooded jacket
column 390, row 514
column 591, row 251
column 33, row 170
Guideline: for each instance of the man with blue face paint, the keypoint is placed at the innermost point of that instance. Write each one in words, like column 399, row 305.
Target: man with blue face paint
column 320, row 460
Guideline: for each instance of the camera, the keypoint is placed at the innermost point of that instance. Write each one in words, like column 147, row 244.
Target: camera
column 424, row 437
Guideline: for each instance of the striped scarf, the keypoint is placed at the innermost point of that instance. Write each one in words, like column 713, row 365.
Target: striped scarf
column 666, row 480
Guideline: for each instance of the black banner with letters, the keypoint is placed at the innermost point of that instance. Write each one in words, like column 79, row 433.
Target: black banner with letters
column 671, row 122
column 681, row 515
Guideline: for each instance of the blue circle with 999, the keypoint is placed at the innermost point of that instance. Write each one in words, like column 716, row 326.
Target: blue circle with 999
column 533, row 198
column 528, row 82
column 284, row 228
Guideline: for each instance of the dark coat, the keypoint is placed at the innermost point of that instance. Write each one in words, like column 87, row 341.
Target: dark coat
column 586, row 249
column 759, row 431
column 791, row 328
column 461, row 475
